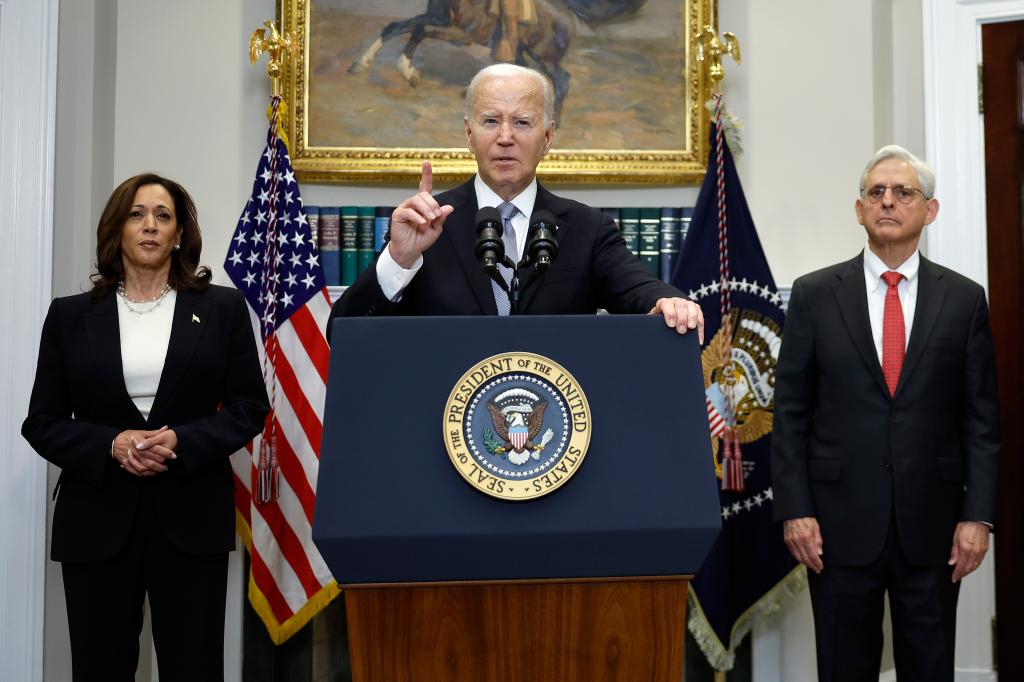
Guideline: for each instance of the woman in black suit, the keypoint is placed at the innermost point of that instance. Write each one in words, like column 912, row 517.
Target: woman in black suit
column 145, row 385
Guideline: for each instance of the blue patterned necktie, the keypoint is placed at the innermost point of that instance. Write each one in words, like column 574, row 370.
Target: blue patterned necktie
column 508, row 236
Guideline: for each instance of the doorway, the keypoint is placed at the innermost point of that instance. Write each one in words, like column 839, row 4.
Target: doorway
column 1003, row 100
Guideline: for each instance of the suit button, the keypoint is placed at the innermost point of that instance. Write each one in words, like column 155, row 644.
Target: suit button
column 887, row 463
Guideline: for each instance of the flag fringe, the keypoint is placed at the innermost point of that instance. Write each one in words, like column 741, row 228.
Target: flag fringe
column 280, row 632
column 719, row 657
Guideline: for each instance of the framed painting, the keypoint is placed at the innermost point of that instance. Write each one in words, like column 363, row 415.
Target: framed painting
column 376, row 86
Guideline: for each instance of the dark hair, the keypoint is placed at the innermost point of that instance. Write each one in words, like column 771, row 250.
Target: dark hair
column 186, row 273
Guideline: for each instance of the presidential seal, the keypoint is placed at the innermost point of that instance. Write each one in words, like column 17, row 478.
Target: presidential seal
column 517, row 426
column 739, row 387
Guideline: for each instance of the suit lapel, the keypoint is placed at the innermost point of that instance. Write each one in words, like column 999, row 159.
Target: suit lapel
column 104, row 334
column 852, row 298
column 548, row 202
column 460, row 232
column 931, row 292
column 187, row 326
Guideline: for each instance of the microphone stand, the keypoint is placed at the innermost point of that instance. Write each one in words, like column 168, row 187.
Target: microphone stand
column 512, row 288
column 513, row 292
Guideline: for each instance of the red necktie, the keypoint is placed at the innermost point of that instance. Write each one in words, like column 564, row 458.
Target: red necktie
column 893, row 332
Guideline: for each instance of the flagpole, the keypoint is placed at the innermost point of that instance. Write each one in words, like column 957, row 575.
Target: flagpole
column 709, row 51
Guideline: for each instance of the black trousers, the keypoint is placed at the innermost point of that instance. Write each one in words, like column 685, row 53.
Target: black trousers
column 186, row 599
column 848, row 605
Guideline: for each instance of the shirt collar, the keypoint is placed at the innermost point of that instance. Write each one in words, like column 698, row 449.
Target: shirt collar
column 874, row 267
column 524, row 201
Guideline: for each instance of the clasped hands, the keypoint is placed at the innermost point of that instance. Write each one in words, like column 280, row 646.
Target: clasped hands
column 970, row 543
column 144, row 453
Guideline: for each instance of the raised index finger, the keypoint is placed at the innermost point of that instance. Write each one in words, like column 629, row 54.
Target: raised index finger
column 426, row 178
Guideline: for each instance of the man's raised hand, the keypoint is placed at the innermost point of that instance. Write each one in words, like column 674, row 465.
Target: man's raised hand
column 416, row 223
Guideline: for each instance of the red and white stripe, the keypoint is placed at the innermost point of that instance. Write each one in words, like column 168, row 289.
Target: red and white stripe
column 715, row 419
column 289, row 581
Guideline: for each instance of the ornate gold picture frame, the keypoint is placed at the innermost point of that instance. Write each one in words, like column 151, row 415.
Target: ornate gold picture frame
column 376, row 86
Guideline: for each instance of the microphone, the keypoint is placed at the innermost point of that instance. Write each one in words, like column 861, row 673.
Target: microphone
column 490, row 249
column 541, row 240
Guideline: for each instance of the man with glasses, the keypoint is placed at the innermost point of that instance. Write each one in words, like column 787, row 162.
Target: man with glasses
column 885, row 446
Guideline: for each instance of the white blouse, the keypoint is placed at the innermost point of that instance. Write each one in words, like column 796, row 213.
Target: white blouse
column 144, row 341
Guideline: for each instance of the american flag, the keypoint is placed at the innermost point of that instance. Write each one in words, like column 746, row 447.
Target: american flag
column 274, row 262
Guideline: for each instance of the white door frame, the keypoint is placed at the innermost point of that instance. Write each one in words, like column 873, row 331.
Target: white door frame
column 955, row 148
column 28, row 87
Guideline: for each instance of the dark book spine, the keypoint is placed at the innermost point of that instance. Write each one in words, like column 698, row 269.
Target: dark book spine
column 313, row 220
column 629, row 224
column 686, row 215
column 381, row 222
column 365, row 243
column 330, row 243
column 349, row 244
column 650, row 239
column 669, row 241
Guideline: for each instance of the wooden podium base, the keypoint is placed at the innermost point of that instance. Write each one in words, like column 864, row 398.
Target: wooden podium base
column 628, row 630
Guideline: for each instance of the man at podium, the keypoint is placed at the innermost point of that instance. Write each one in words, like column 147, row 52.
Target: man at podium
column 430, row 264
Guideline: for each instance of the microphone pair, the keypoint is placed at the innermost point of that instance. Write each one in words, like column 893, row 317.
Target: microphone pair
column 541, row 240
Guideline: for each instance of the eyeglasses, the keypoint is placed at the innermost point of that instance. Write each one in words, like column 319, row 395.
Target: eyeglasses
column 904, row 194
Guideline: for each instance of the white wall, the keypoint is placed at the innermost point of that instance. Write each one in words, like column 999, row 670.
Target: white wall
column 189, row 106
column 822, row 85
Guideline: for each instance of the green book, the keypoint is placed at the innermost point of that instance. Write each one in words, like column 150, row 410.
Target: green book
column 629, row 224
column 650, row 239
column 349, row 244
column 365, row 237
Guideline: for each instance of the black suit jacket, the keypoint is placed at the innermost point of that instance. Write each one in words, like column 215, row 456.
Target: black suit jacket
column 211, row 393
column 594, row 269
column 845, row 452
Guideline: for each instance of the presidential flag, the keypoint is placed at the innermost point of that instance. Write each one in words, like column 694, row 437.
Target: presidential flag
column 722, row 267
column 275, row 263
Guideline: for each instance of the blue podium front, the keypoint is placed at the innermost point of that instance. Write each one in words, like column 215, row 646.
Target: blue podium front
column 393, row 508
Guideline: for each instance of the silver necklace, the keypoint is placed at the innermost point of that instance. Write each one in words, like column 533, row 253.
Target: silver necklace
column 152, row 303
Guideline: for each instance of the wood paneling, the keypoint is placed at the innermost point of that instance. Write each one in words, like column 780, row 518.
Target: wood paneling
column 541, row 632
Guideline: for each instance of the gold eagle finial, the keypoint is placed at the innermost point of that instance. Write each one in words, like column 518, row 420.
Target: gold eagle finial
column 710, row 49
column 277, row 45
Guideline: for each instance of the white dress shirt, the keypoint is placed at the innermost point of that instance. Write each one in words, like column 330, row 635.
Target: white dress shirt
column 393, row 278
column 876, row 286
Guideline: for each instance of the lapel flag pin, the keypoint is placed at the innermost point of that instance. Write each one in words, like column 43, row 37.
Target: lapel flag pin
column 195, row 318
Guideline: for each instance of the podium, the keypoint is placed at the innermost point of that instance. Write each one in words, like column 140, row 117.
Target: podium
column 444, row 582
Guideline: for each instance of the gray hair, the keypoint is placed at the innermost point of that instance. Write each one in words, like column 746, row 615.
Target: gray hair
column 509, row 70
column 925, row 175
